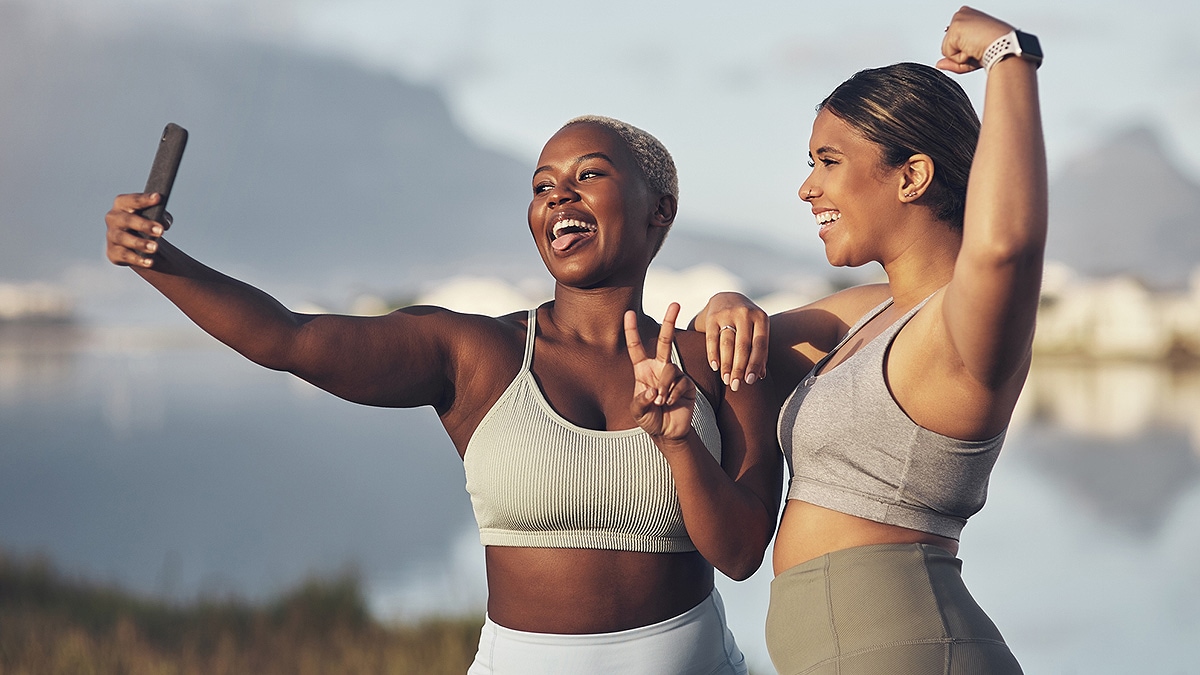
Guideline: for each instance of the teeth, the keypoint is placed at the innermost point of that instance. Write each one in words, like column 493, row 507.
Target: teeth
column 828, row 217
column 562, row 225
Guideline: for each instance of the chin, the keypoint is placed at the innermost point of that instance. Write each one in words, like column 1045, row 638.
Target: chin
column 834, row 259
column 838, row 258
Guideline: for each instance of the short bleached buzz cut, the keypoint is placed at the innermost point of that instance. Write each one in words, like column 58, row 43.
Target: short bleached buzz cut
column 651, row 155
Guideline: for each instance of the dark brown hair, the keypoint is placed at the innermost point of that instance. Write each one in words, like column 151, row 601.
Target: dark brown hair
column 908, row 109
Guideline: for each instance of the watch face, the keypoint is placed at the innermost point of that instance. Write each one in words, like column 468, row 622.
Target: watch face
column 1031, row 49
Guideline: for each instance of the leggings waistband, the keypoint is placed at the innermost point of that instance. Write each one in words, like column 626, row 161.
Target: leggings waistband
column 697, row 641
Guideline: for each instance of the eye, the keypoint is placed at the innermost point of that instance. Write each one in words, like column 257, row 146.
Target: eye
column 811, row 164
column 539, row 188
column 589, row 173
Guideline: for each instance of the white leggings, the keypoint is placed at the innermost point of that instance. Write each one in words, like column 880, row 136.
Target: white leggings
column 697, row 642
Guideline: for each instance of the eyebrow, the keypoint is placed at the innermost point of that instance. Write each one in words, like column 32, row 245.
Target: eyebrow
column 578, row 160
column 828, row 149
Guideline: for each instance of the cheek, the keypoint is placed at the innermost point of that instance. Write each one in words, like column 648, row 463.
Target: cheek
column 529, row 215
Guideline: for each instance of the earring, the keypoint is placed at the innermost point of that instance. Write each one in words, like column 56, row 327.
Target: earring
column 910, row 195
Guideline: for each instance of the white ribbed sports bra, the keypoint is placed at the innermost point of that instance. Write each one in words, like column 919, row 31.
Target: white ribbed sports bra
column 537, row 480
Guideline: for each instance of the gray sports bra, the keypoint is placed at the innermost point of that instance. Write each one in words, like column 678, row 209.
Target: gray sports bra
column 536, row 479
column 852, row 449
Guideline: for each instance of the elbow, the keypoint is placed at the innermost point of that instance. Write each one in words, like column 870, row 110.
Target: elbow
column 742, row 563
column 1012, row 234
column 742, row 570
column 1015, row 250
column 268, row 357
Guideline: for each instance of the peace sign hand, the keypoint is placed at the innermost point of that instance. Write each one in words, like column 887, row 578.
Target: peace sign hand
column 663, row 396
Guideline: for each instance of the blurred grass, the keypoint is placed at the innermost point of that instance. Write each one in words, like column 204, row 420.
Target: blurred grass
column 51, row 624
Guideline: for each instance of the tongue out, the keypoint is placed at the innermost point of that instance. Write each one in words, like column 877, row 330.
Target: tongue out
column 566, row 240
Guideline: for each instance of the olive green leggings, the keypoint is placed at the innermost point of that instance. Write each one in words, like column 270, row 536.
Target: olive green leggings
column 889, row 609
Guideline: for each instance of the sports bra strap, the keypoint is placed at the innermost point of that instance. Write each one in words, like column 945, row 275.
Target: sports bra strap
column 853, row 330
column 530, row 335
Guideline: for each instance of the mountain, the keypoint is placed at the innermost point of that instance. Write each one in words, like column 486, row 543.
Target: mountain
column 295, row 162
column 1124, row 207
column 300, row 167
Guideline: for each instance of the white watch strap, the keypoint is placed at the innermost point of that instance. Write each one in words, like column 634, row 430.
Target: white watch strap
column 1005, row 45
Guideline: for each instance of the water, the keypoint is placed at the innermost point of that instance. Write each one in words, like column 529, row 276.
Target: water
column 164, row 462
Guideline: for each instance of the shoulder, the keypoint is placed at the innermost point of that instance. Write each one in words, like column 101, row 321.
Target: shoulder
column 807, row 333
column 478, row 339
column 829, row 318
column 463, row 344
column 482, row 355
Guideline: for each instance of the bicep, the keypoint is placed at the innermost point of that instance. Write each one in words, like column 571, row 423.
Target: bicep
column 988, row 313
column 398, row 360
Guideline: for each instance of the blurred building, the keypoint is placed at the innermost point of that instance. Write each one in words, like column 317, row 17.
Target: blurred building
column 1116, row 317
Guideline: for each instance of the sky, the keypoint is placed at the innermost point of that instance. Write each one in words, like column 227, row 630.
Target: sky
column 729, row 87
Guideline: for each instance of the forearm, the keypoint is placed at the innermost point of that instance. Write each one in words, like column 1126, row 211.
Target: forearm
column 402, row 359
column 250, row 321
column 729, row 524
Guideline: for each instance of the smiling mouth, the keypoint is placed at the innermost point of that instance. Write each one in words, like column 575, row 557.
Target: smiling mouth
column 827, row 217
column 567, row 233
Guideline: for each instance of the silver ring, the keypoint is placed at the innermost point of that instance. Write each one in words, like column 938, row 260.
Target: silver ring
column 728, row 328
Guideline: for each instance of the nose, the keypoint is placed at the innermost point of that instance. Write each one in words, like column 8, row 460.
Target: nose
column 560, row 194
column 809, row 190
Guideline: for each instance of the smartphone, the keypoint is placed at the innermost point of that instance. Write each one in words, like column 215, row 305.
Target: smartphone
column 166, row 165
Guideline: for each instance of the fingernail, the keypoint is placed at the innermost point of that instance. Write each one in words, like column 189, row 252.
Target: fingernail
column 152, row 246
column 725, row 378
column 156, row 230
column 751, row 378
column 713, row 365
column 146, row 262
column 734, row 385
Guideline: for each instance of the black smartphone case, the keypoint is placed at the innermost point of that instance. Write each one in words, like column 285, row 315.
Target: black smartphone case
column 166, row 165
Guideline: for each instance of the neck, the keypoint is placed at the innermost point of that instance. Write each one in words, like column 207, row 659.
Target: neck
column 924, row 265
column 593, row 316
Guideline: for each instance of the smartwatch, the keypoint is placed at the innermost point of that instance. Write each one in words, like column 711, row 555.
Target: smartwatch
column 1015, row 43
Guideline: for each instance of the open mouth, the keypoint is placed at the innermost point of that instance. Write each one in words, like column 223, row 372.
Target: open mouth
column 569, row 232
column 826, row 219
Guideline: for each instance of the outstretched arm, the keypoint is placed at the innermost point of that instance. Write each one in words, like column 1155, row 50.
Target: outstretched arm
column 729, row 508
column 397, row 360
column 991, row 302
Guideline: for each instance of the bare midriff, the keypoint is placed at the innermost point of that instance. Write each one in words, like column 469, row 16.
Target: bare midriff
column 808, row 531
column 573, row 591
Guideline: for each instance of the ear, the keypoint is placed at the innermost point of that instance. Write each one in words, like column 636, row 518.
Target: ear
column 664, row 211
column 915, row 178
